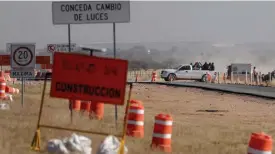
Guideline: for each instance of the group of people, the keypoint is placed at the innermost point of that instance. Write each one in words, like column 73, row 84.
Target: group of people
column 205, row 66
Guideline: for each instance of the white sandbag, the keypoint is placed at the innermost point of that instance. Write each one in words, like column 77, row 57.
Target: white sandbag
column 87, row 150
column 84, row 141
column 56, row 146
column 4, row 106
column 110, row 145
column 73, row 144
column 10, row 97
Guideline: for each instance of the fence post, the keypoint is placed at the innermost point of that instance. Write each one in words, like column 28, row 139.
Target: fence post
column 269, row 74
column 232, row 78
column 245, row 76
column 218, row 77
column 260, row 78
column 251, row 79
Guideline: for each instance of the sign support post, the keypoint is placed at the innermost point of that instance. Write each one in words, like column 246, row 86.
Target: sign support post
column 22, row 63
column 22, row 91
column 114, row 43
column 69, row 43
column 69, row 36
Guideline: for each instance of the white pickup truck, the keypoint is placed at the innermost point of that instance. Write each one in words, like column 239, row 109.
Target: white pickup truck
column 185, row 72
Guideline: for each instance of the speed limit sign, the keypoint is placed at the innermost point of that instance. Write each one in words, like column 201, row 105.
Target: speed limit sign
column 23, row 56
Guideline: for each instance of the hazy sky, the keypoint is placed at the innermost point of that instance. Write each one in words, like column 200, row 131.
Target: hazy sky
column 150, row 21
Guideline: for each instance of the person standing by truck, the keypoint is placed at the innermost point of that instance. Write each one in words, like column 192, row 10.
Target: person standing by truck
column 205, row 66
column 211, row 66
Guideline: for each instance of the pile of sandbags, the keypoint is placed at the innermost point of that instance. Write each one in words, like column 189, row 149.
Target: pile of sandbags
column 75, row 144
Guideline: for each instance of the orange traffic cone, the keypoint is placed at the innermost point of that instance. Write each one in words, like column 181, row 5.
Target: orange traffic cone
column 2, row 77
column 260, row 143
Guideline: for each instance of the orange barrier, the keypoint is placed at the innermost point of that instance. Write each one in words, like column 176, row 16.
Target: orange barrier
column 154, row 76
column 85, row 106
column 17, row 91
column 97, row 110
column 75, row 104
column 135, row 121
column 2, row 77
column 260, row 143
column 8, row 78
column 208, row 77
column 223, row 78
column 162, row 133
column 9, row 89
column 2, row 88
column 136, row 78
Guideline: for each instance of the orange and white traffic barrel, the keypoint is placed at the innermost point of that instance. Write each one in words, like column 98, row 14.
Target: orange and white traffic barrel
column 74, row 105
column 97, row 110
column 13, row 90
column 135, row 121
column 2, row 89
column 208, row 77
column 85, row 106
column 2, row 77
column 8, row 89
column 136, row 78
column 17, row 91
column 154, row 77
column 260, row 143
column 8, row 78
column 162, row 133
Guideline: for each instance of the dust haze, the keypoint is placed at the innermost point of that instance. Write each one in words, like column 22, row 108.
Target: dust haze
column 183, row 32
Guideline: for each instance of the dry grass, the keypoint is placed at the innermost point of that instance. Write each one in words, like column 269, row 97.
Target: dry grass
column 193, row 132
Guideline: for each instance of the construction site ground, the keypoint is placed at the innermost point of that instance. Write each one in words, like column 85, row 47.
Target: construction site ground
column 194, row 130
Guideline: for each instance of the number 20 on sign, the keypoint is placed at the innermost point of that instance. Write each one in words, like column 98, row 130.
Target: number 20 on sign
column 23, row 55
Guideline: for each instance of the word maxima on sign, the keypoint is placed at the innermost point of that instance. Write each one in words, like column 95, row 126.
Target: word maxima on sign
column 61, row 47
column 22, row 73
column 82, row 77
column 82, row 12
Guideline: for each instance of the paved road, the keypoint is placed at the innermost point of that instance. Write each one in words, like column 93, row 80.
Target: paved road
column 268, row 92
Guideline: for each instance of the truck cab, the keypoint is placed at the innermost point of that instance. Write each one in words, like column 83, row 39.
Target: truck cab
column 185, row 72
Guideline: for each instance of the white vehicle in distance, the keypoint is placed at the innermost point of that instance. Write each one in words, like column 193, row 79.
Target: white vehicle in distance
column 185, row 72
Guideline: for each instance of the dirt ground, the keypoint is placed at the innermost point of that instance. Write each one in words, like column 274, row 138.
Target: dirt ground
column 194, row 132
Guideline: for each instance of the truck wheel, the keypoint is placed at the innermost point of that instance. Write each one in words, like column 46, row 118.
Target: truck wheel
column 204, row 78
column 171, row 77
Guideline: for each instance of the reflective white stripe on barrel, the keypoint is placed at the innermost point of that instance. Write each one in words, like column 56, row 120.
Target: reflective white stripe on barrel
column 3, row 83
column 167, row 123
column 254, row 151
column 140, row 123
column 2, row 91
column 136, row 111
column 166, row 136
